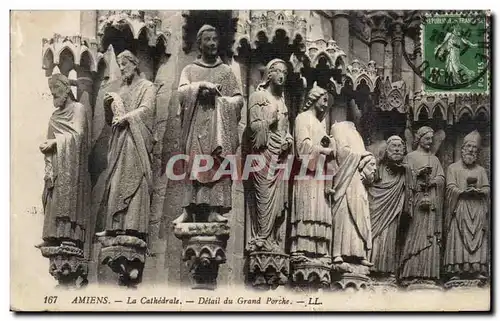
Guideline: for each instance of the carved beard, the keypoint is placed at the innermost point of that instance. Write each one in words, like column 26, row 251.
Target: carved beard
column 469, row 158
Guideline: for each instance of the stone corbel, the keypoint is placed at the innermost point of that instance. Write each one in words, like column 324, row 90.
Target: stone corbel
column 310, row 274
column 67, row 264
column 126, row 256
column 268, row 265
column 204, row 249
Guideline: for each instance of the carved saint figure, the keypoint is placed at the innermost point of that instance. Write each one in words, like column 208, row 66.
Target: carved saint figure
column 66, row 195
column 210, row 106
column 387, row 202
column 420, row 256
column 352, row 238
column 125, row 205
column 311, row 218
column 467, row 210
column 270, row 138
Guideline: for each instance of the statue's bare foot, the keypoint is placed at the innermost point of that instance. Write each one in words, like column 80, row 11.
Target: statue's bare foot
column 365, row 262
column 217, row 218
column 43, row 244
column 101, row 234
column 181, row 219
column 134, row 274
column 338, row 260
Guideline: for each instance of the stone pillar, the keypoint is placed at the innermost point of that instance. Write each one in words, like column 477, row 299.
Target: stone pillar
column 88, row 23
column 417, row 80
column 397, row 47
column 378, row 42
column 341, row 30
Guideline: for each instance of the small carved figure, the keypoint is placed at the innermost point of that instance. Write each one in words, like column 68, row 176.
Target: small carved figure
column 420, row 256
column 387, row 202
column 66, row 195
column 210, row 106
column 125, row 206
column 467, row 210
column 311, row 217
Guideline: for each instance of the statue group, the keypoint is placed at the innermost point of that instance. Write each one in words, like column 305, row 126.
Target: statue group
column 335, row 222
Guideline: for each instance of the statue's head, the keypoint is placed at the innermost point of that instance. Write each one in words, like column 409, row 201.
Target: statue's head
column 395, row 149
column 129, row 65
column 275, row 74
column 60, row 88
column 207, row 41
column 424, row 137
column 318, row 99
column 470, row 147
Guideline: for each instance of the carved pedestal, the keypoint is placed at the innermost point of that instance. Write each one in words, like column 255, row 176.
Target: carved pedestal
column 67, row 264
column 268, row 270
column 383, row 282
column 349, row 276
column 204, row 249
column 310, row 274
column 125, row 255
column 466, row 283
column 420, row 284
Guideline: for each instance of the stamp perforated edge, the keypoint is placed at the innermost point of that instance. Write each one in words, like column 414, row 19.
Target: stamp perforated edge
column 460, row 13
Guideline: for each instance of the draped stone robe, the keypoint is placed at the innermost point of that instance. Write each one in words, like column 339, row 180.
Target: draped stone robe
column 467, row 222
column 208, row 126
column 387, row 198
column 66, row 195
column 420, row 256
column 310, row 217
column 128, row 186
column 350, row 210
column 270, row 188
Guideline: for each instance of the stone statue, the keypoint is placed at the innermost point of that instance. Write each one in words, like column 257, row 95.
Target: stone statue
column 66, row 195
column 466, row 218
column 125, row 206
column 271, row 140
column 210, row 106
column 311, row 220
column 421, row 252
column 387, row 198
column 352, row 237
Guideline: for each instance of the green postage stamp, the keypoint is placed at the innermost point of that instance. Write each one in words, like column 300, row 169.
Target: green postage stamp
column 455, row 51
